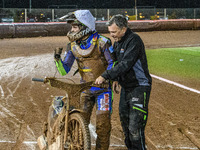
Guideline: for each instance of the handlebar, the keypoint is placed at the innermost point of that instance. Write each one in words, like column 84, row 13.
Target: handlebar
column 69, row 86
column 38, row 79
column 73, row 90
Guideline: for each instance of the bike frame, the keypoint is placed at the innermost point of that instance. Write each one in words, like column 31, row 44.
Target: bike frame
column 73, row 92
column 73, row 99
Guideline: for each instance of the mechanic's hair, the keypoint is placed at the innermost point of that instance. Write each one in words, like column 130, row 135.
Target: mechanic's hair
column 119, row 20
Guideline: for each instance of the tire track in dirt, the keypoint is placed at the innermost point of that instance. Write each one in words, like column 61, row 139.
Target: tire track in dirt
column 15, row 73
column 166, row 116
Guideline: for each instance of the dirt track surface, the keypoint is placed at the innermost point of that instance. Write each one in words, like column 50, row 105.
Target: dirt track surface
column 174, row 121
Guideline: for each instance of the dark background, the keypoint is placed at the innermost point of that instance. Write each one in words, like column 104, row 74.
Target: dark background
column 99, row 3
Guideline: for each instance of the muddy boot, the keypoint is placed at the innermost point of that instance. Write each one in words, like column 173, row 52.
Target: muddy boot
column 103, row 128
column 42, row 142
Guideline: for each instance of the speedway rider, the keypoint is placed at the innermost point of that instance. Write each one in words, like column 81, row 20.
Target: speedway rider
column 92, row 53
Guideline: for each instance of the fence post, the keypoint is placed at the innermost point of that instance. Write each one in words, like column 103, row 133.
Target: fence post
column 108, row 14
column 30, row 6
column 136, row 14
column 165, row 13
column 135, row 9
column 25, row 15
column 95, row 10
column 52, row 15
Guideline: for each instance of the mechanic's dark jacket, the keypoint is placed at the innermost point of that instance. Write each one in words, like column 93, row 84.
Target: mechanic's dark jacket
column 131, row 69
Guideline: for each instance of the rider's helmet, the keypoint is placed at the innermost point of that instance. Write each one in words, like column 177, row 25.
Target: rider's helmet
column 84, row 19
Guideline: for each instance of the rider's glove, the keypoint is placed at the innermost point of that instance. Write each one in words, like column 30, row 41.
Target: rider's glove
column 57, row 53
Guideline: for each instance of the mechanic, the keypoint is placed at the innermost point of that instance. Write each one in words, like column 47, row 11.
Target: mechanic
column 132, row 74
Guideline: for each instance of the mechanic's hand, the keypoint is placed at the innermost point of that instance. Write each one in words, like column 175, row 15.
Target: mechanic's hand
column 57, row 53
column 115, row 87
column 99, row 80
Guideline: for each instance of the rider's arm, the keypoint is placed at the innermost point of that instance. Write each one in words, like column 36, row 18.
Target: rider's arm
column 64, row 66
column 107, row 49
column 108, row 57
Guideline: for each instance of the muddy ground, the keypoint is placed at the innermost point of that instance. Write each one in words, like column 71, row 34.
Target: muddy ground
column 173, row 123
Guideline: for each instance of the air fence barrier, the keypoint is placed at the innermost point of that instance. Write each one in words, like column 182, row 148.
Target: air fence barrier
column 20, row 30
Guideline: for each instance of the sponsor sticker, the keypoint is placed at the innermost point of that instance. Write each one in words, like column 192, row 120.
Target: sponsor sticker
column 111, row 49
column 122, row 50
column 105, row 102
column 135, row 99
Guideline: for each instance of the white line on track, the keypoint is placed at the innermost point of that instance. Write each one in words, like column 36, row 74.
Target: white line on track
column 112, row 145
column 173, row 147
column 25, row 142
column 116, row 138
column 176, row 84
column 2, row 93
column 34, row 142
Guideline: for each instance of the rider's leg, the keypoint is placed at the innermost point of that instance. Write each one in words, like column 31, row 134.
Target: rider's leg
column 87, row 105
column 103, row 123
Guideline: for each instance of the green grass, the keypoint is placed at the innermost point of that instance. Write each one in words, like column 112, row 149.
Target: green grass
column 181, row 62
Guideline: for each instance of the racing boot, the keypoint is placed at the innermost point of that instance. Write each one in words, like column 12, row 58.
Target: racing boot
column 103, row 128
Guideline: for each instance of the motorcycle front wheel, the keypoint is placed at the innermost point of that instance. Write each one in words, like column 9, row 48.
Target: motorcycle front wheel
column 78, row 137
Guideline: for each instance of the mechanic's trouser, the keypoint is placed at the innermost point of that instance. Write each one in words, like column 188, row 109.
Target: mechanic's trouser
column 103, row 114
column 133, row 111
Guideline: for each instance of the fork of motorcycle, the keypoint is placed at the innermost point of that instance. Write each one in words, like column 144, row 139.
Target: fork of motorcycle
column 66, row 120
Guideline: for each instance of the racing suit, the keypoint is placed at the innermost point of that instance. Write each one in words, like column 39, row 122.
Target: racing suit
column 93, row 58
column 133, row 75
